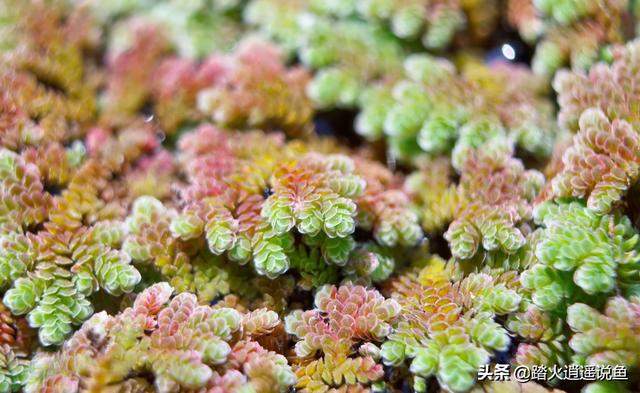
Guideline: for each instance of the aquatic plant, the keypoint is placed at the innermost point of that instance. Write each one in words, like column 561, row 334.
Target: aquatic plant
column 574, row 33
column 171, row 221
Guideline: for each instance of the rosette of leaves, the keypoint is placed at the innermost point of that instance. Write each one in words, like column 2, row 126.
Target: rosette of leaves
column 345, row 318
column 370, row 263
column 607, row 338
column 24, row 203
column 569, row 32
column 602, row 163
column 313, row 200
column 188, row 265
column 314, row 196
column 429, row 110
column 499, row 191
column 608, row 86
column 182, row 346
column 49, row 273
column 429, row 99
column 47, row 47
column 195, row 29
column 346, row 53
column 14, row 368
column 435, row 23
column 544, row 335
column 228, row 88
column 255, row 89
column 446, row 329
column 433, row 194
column 581, row 256
column 16, row 344
column 384, row 207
